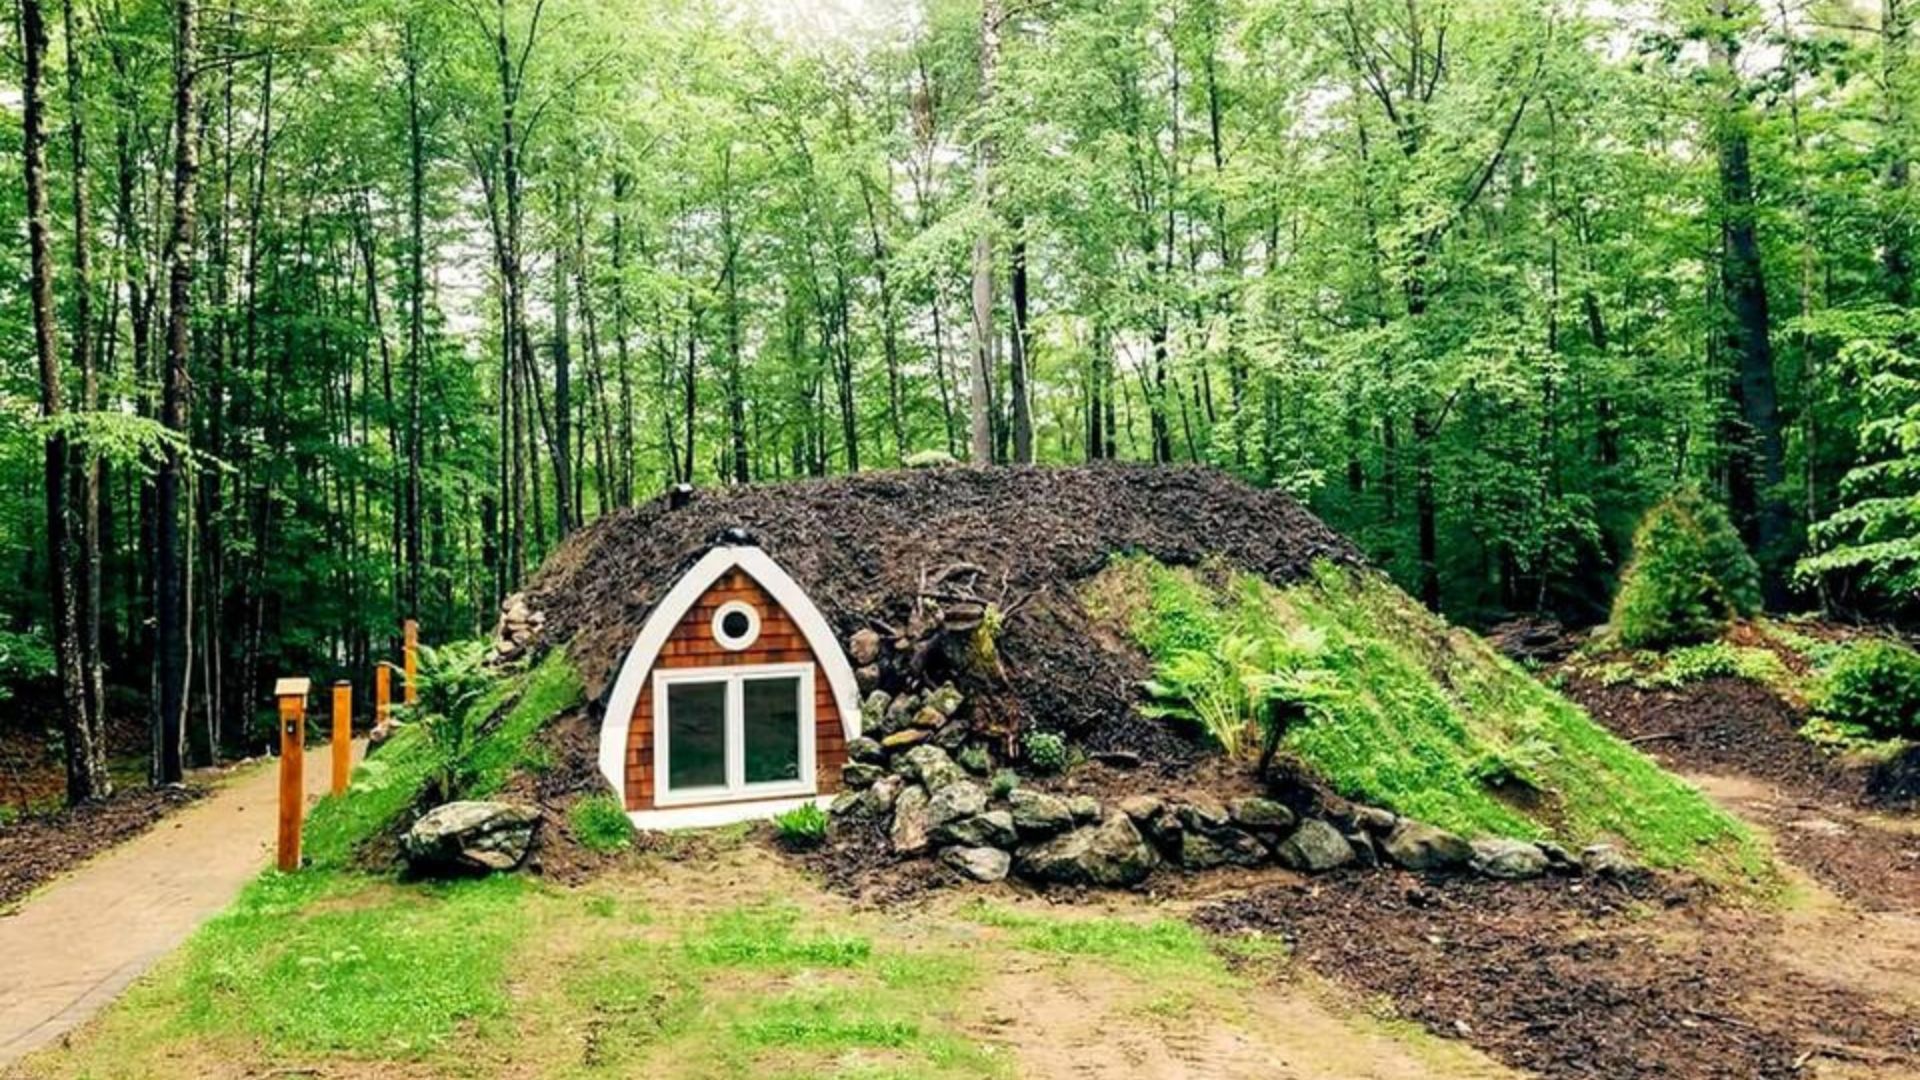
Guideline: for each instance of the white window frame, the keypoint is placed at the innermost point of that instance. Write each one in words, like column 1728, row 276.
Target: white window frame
column 736, row 789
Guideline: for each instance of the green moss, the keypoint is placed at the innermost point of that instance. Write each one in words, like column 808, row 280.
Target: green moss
column 386, row 785
column 1432, row 723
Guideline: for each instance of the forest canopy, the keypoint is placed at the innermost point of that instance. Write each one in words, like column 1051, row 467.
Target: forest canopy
column 321, row 315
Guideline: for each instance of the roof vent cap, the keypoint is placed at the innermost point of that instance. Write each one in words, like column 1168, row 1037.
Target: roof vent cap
column 738, row 536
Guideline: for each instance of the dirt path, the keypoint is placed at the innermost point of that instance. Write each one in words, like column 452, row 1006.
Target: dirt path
column 73, row 947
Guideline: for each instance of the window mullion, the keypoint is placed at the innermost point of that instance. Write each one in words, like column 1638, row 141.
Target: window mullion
column 736, row 734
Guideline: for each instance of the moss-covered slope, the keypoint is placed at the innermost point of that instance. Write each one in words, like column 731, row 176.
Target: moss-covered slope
column 1428, row 720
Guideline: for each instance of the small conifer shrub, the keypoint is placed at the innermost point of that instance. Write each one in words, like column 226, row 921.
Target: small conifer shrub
column 1690, row 576
column 1875, row 686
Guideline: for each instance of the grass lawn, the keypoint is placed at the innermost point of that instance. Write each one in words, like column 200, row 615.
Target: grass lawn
column 715, row 959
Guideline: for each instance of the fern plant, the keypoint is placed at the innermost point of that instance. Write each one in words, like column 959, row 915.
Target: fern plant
column 1246, row 685
column 449, row 682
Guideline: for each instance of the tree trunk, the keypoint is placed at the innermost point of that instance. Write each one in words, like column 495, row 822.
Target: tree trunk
column 980, row 382
column 416, row 317
column 1896, row 242
column 1019, row 359
column 86, row 759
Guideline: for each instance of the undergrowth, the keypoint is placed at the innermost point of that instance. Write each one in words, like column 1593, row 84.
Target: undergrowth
column 503, row 718
column 1431, row 722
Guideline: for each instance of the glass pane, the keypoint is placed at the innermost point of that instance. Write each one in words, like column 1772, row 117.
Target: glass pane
column 773, row 729
column 696, row 735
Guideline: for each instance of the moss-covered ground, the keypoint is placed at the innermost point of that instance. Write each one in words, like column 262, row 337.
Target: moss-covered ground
column 1429, row 721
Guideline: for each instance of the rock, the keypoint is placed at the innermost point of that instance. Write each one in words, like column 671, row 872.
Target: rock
column 960, row 799
column 1142, row 807
column 1204, row 850
column 1261, row 815
column 1086, row 809
column 1315, row 847
column 1118, row 759
column 1035, row 813
column 902, row 740
column 953, row 736
column 867, row 677
column 866, row 750
column 1605, row 860
column 1203, row 812
column 873, row 712
column 1418, row 846
column 1164, row 829
column 1365, row 855
column 863, row 648
column 878, row 800
column 1374, row 820
column 991, row 829
column 1508, row 860
column 1111, row 853
column 900, row 709
column 931, row 767
column 1558, row 858
column 845, row 803
column 979, row 863
column 928, row 717
column 946, row 700
column 910, row 823
column 858, row 775
column 471, row 836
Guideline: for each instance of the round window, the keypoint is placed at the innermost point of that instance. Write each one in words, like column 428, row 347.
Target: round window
column 736, row 625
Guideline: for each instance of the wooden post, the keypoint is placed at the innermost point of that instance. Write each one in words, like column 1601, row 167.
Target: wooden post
column 342, row 734
column 292, row 695
column 412, row 659
column 382, row 695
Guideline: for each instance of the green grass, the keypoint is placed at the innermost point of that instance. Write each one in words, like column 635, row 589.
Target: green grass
column 315, row 963
column 387, row 784
column 769, row 937
column 1432, row 723
column 600, row 824
column 1152, row 945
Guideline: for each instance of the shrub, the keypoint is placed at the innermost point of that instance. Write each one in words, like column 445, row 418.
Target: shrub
column 1690, row 575
column 804, row 826
column 600, row 824
column 1874, row 685
column 451, row 680
column 1003, row 784
column 1046, row 751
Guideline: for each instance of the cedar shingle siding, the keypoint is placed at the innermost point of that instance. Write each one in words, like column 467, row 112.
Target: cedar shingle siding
column 691, row 645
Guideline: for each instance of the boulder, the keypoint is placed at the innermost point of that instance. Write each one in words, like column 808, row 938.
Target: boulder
column 1111, row 853
column 863, row 648
column 957, row 800
column 845, row 803
column 1418, row 846
column 991, row 829
column 1142, row 808
column 910, row 822
column 904, row 740
column 979, row 863
column 867, row 677
column 901, row 708
column 1220, row 847
column 1365, row 854
column 858, row 775
column 946, row 700
column 866, row 751
column 1374, row 820
column 1261, row 815
column 1605, row 860
column 878, row 800
column 931, row 767
column 1315, row 847
column 873, row 712
column 928, row 717
column 953, row 737
column 1086, row 809
column 1035, row 813
column 470, row 836
column 1508, row 860
column 1203, row 812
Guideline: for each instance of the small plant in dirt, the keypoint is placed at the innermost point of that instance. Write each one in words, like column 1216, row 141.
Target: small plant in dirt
column 600, row 824
column 1245, row 684
column 450, row 682
column 1874, row 686
column 1046, row 751
column 1689, row 578
column 1003, row 783
column 803, row 827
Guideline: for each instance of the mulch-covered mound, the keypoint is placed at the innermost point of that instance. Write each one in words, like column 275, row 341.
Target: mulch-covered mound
column 1572, row 978
column 863, row 546
column 35, row 850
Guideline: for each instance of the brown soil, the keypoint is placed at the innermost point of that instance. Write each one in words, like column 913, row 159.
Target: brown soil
column 862, row 545
column 1574, row 979
column 34, row 850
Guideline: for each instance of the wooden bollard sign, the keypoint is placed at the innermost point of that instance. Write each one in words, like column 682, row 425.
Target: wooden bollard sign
column 382, row 695
column 342, row 738
column 412, row 658
column 292, row 696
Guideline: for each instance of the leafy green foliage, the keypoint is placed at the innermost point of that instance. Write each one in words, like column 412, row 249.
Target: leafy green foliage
column 24, row 658
column 451, row 680
column 1003, row 783
column 1689, row 578
column 1429, row 721
column 1046, row 751
column 1229, row 690
column 600, row 823
column 804, row 826
column 1874, row 685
